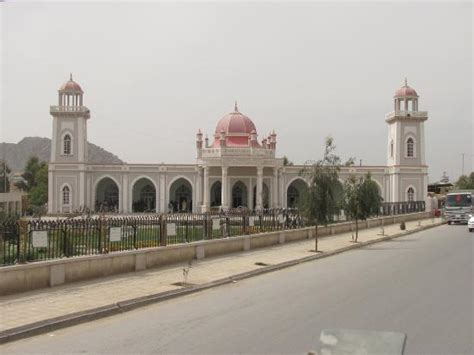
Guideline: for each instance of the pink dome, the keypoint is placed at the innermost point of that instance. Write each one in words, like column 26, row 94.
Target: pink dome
column 405, row 90
column 71, row 86
column 235, row 123
column 236, row 127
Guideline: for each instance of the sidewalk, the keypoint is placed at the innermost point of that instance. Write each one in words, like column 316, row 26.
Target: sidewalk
column 39, row 305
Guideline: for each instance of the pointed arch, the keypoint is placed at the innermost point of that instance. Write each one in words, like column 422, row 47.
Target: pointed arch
column 143, row 193
column 294, row 191
column 216, row 194
column 180, row 195
column 107, row 194
column 239, row 195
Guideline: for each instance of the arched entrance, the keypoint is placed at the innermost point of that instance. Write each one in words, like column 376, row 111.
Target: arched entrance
column 143, row 196
column 216, row 195
column 107, row 196
column 181, row 196
column 295, row 192
column 239, row 195
column 265, row 196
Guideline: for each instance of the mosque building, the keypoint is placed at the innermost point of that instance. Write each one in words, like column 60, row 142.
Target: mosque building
column 233, row 168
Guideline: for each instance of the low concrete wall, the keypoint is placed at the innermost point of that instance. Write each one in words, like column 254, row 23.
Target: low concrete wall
column 25, row 277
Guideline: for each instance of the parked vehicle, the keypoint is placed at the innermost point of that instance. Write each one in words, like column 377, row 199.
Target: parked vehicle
column 459, row 206
column 470, row 223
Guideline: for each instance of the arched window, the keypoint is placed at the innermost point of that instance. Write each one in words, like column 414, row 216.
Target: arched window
column 293, row 197
column 216, row 194
column 66, row 195
column 410, row 194
column 410, row 147
column 67, row 144
column 391, row 149
column 239, row 195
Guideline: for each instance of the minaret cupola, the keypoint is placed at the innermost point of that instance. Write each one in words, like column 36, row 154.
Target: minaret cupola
column 405, row 98
column 70, row 93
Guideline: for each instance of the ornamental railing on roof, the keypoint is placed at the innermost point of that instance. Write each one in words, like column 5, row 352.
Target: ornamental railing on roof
column 231, row 151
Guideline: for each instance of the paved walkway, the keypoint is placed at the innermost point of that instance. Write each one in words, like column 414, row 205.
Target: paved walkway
column 29, row 307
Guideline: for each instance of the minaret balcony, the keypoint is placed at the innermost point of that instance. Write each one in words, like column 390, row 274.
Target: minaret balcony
column 421, row 115
column 76, row 110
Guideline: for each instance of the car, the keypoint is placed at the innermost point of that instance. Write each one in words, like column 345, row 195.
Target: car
column 470, row 223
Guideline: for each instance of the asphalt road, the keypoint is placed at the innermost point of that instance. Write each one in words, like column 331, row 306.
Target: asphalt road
column 421, row 285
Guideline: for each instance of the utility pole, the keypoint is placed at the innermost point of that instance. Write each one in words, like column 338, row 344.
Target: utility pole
column 463, row 155
column 4, row 176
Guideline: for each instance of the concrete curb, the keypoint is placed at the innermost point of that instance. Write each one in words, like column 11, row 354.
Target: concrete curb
column 51, row 324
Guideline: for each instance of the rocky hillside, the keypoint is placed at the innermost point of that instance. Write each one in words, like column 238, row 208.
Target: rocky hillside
column 17, row 154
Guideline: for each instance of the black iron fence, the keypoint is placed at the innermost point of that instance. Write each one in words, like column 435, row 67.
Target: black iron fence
column 9, row 242
column 41, row 239
column 395, row 208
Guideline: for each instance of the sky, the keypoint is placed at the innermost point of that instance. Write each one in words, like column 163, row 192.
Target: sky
column 154, row 73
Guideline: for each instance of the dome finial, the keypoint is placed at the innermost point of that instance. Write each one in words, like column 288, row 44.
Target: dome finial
column 406, row 81
column 70, row 76
column 236, row 109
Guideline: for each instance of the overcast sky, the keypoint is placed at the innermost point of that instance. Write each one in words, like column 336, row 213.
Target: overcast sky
column 154, row 73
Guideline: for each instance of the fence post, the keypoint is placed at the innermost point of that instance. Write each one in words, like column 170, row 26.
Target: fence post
column 17, row 235
column 163, row 237
column 64, row 235
column 209, row 226
column 99, row 242
column 187, row 229
column 23, row 237
column 135, row 227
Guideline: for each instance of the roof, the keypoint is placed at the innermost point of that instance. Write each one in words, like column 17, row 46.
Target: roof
column 71, row 86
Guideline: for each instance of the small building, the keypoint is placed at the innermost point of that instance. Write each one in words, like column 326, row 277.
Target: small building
column 10, row 203
column 440, row 188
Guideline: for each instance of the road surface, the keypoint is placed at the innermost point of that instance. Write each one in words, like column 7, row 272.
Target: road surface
column 421, row 285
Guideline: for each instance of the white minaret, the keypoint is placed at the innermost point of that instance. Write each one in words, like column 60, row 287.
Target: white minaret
column 66, row 191
column 406, row 144
column 69, row 140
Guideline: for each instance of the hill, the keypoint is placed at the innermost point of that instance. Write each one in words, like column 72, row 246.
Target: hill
column 17, row 154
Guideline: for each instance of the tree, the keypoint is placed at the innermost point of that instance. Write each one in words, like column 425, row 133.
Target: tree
column 35, row 183
column 322, row 199
column 286, row 161
column 4, row 177
column 465, row 182
column 361, row 200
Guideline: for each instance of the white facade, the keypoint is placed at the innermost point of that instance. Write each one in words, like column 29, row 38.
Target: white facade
column 233, row 170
